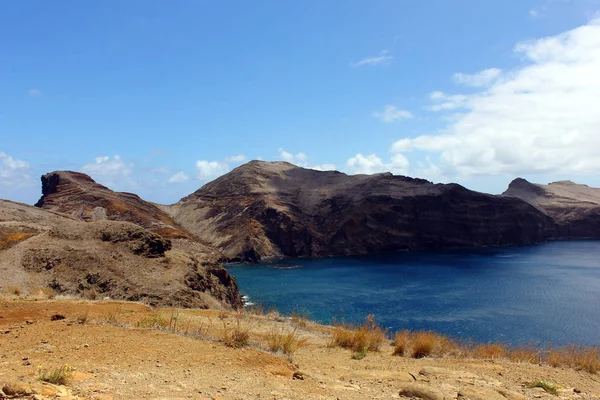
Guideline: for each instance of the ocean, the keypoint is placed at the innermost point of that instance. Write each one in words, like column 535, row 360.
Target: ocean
column 546, row 293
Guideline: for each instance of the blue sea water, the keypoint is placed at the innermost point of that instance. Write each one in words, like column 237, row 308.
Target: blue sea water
column 547, row 293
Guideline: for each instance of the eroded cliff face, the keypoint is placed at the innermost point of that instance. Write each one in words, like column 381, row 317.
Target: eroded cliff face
column 276, row 209
column 42, row 249
column 574, row 207
column 80, row 196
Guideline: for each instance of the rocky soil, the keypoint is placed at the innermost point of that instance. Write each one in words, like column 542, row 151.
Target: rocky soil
column 114, row 359
column 45, row 251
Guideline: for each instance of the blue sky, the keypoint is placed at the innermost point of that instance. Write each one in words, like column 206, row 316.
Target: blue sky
column 159, row 97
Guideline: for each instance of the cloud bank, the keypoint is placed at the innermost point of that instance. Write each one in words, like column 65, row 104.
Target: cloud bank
column 539, row 118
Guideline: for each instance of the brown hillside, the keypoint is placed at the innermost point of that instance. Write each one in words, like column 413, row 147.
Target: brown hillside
column 574, row 207
column 272, row 209
column 43, row 250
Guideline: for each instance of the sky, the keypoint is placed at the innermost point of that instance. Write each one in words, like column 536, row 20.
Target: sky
column 160, row 97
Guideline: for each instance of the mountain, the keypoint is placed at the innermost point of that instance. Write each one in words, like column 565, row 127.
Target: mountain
column 41, row 249
column 273, row 209
column 574, row 207
column 80, row 196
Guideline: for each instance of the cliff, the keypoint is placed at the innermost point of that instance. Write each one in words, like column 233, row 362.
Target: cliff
column 264, row 209
column 574, row 207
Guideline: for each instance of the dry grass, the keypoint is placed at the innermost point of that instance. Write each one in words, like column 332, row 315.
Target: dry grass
column 278, row 340
column 577, row 357
column 367, row 337
column 547, row 386
column 11, row 290
column 490, row 351
column 153, row 321
column 423, row 344
column 300, row 319
column 58, row 376
column 238, row 335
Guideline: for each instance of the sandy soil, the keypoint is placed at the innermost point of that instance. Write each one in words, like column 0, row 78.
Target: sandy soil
column 114, row 359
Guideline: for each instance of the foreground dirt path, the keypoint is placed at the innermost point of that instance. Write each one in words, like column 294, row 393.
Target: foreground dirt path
column 115, row 360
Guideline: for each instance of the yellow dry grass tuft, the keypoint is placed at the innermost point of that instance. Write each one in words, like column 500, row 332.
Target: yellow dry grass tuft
column 367, row 337
column 238, row 335
column 278, row 340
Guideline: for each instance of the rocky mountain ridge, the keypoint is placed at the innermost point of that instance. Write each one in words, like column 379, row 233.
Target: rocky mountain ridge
column 276, row 209
column 262, row 210
column 574, row 207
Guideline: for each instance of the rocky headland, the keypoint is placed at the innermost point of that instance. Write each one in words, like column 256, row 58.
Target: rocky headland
column 574, row 207
column 85, row 239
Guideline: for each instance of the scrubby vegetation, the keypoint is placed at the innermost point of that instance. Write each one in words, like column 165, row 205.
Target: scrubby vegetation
column 430, row 344
column 238, row 334
column 280, row 340
column 56, row 376
column 367, row 337
column 547, row 386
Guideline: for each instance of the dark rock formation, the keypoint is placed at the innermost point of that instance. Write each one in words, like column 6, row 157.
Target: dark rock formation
column 575, row 208
column 276, row 209
column 80, row 196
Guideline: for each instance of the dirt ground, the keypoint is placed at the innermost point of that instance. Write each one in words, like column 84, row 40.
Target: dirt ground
column 114, row 359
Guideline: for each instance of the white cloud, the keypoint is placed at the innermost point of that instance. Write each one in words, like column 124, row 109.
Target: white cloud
column 539, row 118
column 13, row 173
column 33, row 92
column 298, row 159
column 301, row 160
column 324, row 167
column 236, row 159
column 481, row 79
column 208, row 170
column 447, row 102
column 384, row 58
column 392, row 113
column 109, row 170
column 178, row 177
column 372, row 164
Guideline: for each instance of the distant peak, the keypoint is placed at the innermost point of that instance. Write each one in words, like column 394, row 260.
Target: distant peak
column 70, row 175
column 519, row 182
column 565, row 183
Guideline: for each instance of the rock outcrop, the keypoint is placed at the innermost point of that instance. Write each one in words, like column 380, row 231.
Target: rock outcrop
column 42, row 249
column 80, row 196
column 273, row 209
column 574, row 207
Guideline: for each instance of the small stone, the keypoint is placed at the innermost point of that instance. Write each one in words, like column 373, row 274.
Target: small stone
column 421, row 392
column 57, row 317
column 86, row 345
column 298, row 376
column 16, row 389
column 575, row 390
